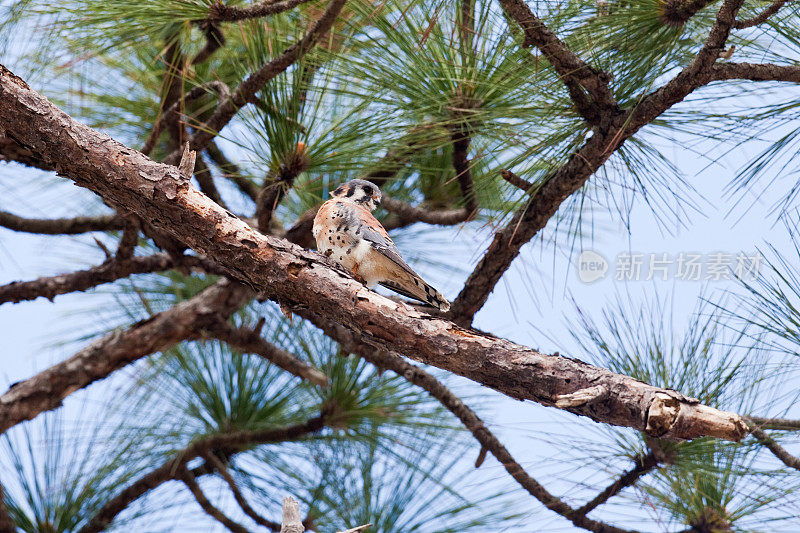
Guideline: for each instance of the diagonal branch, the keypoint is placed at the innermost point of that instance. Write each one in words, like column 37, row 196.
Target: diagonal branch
column 300, row 279
column 231, row 442
column 46, row 390
column 770, row 10
column 572, row 175
column 576, row 74
column 222, row 470
column 777, row 450
column 250, row 341
column 467, row 416
column 51, row 286
column 207, row 506
column 61, row 226
column 643, row 465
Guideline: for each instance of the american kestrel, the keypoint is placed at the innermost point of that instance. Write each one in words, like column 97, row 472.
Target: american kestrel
column 346, row 231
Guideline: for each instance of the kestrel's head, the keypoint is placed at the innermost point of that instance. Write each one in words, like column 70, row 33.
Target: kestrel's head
column 359, row 192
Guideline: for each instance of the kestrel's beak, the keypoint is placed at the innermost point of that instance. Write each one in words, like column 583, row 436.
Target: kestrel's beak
column 377, row 201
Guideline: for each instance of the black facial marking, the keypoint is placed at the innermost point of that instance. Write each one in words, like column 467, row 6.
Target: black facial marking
column 350, row 192
column 339, row 190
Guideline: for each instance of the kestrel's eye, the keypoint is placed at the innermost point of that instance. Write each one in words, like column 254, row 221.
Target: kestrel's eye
column 339, row 190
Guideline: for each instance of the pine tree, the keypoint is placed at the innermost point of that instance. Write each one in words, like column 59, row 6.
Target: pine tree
column 237, row 367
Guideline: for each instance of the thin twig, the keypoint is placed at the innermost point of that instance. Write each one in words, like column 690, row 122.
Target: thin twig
column 61, row 226
column 207, row 506
column 51, row 286
column 232, row 171
column 770, row 10
column 220, row 468
column 777, row 450
column 642, row 466
column 248, row 341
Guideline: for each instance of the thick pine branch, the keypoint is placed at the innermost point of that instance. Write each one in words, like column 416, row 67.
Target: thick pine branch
column 61, row 226
column 570, row 177
column 755, row 72
column 300, row 279
column 230, row 442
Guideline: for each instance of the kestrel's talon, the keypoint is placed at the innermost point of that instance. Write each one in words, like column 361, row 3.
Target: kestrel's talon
column 346, row 231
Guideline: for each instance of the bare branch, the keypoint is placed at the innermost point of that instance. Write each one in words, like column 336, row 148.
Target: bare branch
column 409, row 214
column 770, row 10
column 220, row 468
column 777, row 450
column 249, row 341
column 207, row 506
column 220, row 12
column 61, row 226
column 784, row 424
column 46, row 390
column 755, row 72
column 128, row 241
column 467, row 416
column 51, row 286
column 231, row 442
column 516, row 181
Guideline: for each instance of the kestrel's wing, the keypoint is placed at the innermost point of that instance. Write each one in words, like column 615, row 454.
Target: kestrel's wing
column 368, row 227
column 405, row 281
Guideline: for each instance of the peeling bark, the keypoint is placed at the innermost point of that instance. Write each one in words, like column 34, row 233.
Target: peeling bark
column 300, row 279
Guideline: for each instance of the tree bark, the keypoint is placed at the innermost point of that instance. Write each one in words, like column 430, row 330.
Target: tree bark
column 298, row 278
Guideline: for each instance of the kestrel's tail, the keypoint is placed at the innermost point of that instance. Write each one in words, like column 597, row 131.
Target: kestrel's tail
column 415, row 287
